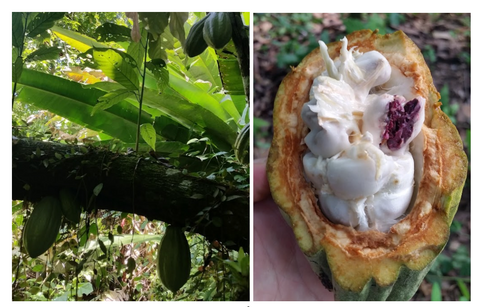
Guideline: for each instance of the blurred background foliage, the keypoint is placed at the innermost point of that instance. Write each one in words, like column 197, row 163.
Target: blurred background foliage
column 283, row 40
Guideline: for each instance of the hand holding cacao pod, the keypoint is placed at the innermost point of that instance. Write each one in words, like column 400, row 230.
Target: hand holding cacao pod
column 369, row 244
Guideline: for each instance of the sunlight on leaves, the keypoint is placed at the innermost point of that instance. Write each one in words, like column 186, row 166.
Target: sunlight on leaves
column 148, row 134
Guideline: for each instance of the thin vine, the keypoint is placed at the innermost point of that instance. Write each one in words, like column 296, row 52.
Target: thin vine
column 141, row 93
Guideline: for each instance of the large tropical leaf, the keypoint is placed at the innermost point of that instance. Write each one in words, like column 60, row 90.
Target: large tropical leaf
column 44, row 53
column 78, row 41
column 230, row 72
column 196, row 95
column 156, row 22
column 42, row 22
column 110, row 32
column 117, row 65
column 17, row 30
column 177, row 22
column 191, row 115
column 205, row 67
column 185, row 99
column 70, row 100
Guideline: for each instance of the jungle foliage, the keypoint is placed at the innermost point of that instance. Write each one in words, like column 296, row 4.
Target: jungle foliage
column 121, row 82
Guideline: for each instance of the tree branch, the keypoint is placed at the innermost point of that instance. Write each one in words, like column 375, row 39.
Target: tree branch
column 132, row 184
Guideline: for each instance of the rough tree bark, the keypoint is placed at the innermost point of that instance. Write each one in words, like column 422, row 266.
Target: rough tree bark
column 133, row 184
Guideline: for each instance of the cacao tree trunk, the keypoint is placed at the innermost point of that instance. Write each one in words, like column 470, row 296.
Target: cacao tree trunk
column 133, row 184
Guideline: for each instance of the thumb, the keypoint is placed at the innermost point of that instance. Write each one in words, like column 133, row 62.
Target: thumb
column 261, row 189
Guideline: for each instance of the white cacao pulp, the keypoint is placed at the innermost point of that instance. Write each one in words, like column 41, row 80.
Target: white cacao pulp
column 362, row 116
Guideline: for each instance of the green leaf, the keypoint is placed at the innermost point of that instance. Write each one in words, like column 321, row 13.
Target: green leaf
column 110, row 32
column 38, row 268
column 49, row 53
column 155, row 23
column 463, row 289
column 233, row 265
column 377, row 22
column 17, row 208
column 102, row 246
column 177, row 22
column 168, row 41
column 205, row 67
column 62, row 297
column 208, row 294
column 197, row 196
column 117, row 65
column 241, row 254
column 436, row 294
column 42, row 22
column 246, row 18
column 93, row 229
column 34, row 290
column 245, row 266
column 230, row 70
column 158, row 69
column 353, row 24
column 130, row 265
column 76, row 40
column 98, row 189
column 104, row 86
column 17, row 30
column 156, row 50
column 17, row 69
column 148, row 134
column 231, row 76
column 230, row 107
column 396, row 19
column 137, row 50
column 84, row 288
column 110, row 99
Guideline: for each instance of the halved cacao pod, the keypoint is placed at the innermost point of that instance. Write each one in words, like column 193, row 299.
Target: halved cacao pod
column 369, row 265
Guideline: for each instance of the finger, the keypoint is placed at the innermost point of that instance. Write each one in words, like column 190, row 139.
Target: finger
column 261, row 189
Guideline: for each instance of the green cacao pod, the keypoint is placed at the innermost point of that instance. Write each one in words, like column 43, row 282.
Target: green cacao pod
column 242, row 145
column 195, row 43
column 70, row 205
column 42, row 226
column 173, row 260
column 371, row 264
column 217, row 30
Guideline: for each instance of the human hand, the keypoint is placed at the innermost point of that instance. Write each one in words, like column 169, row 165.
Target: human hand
column 280, row 270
